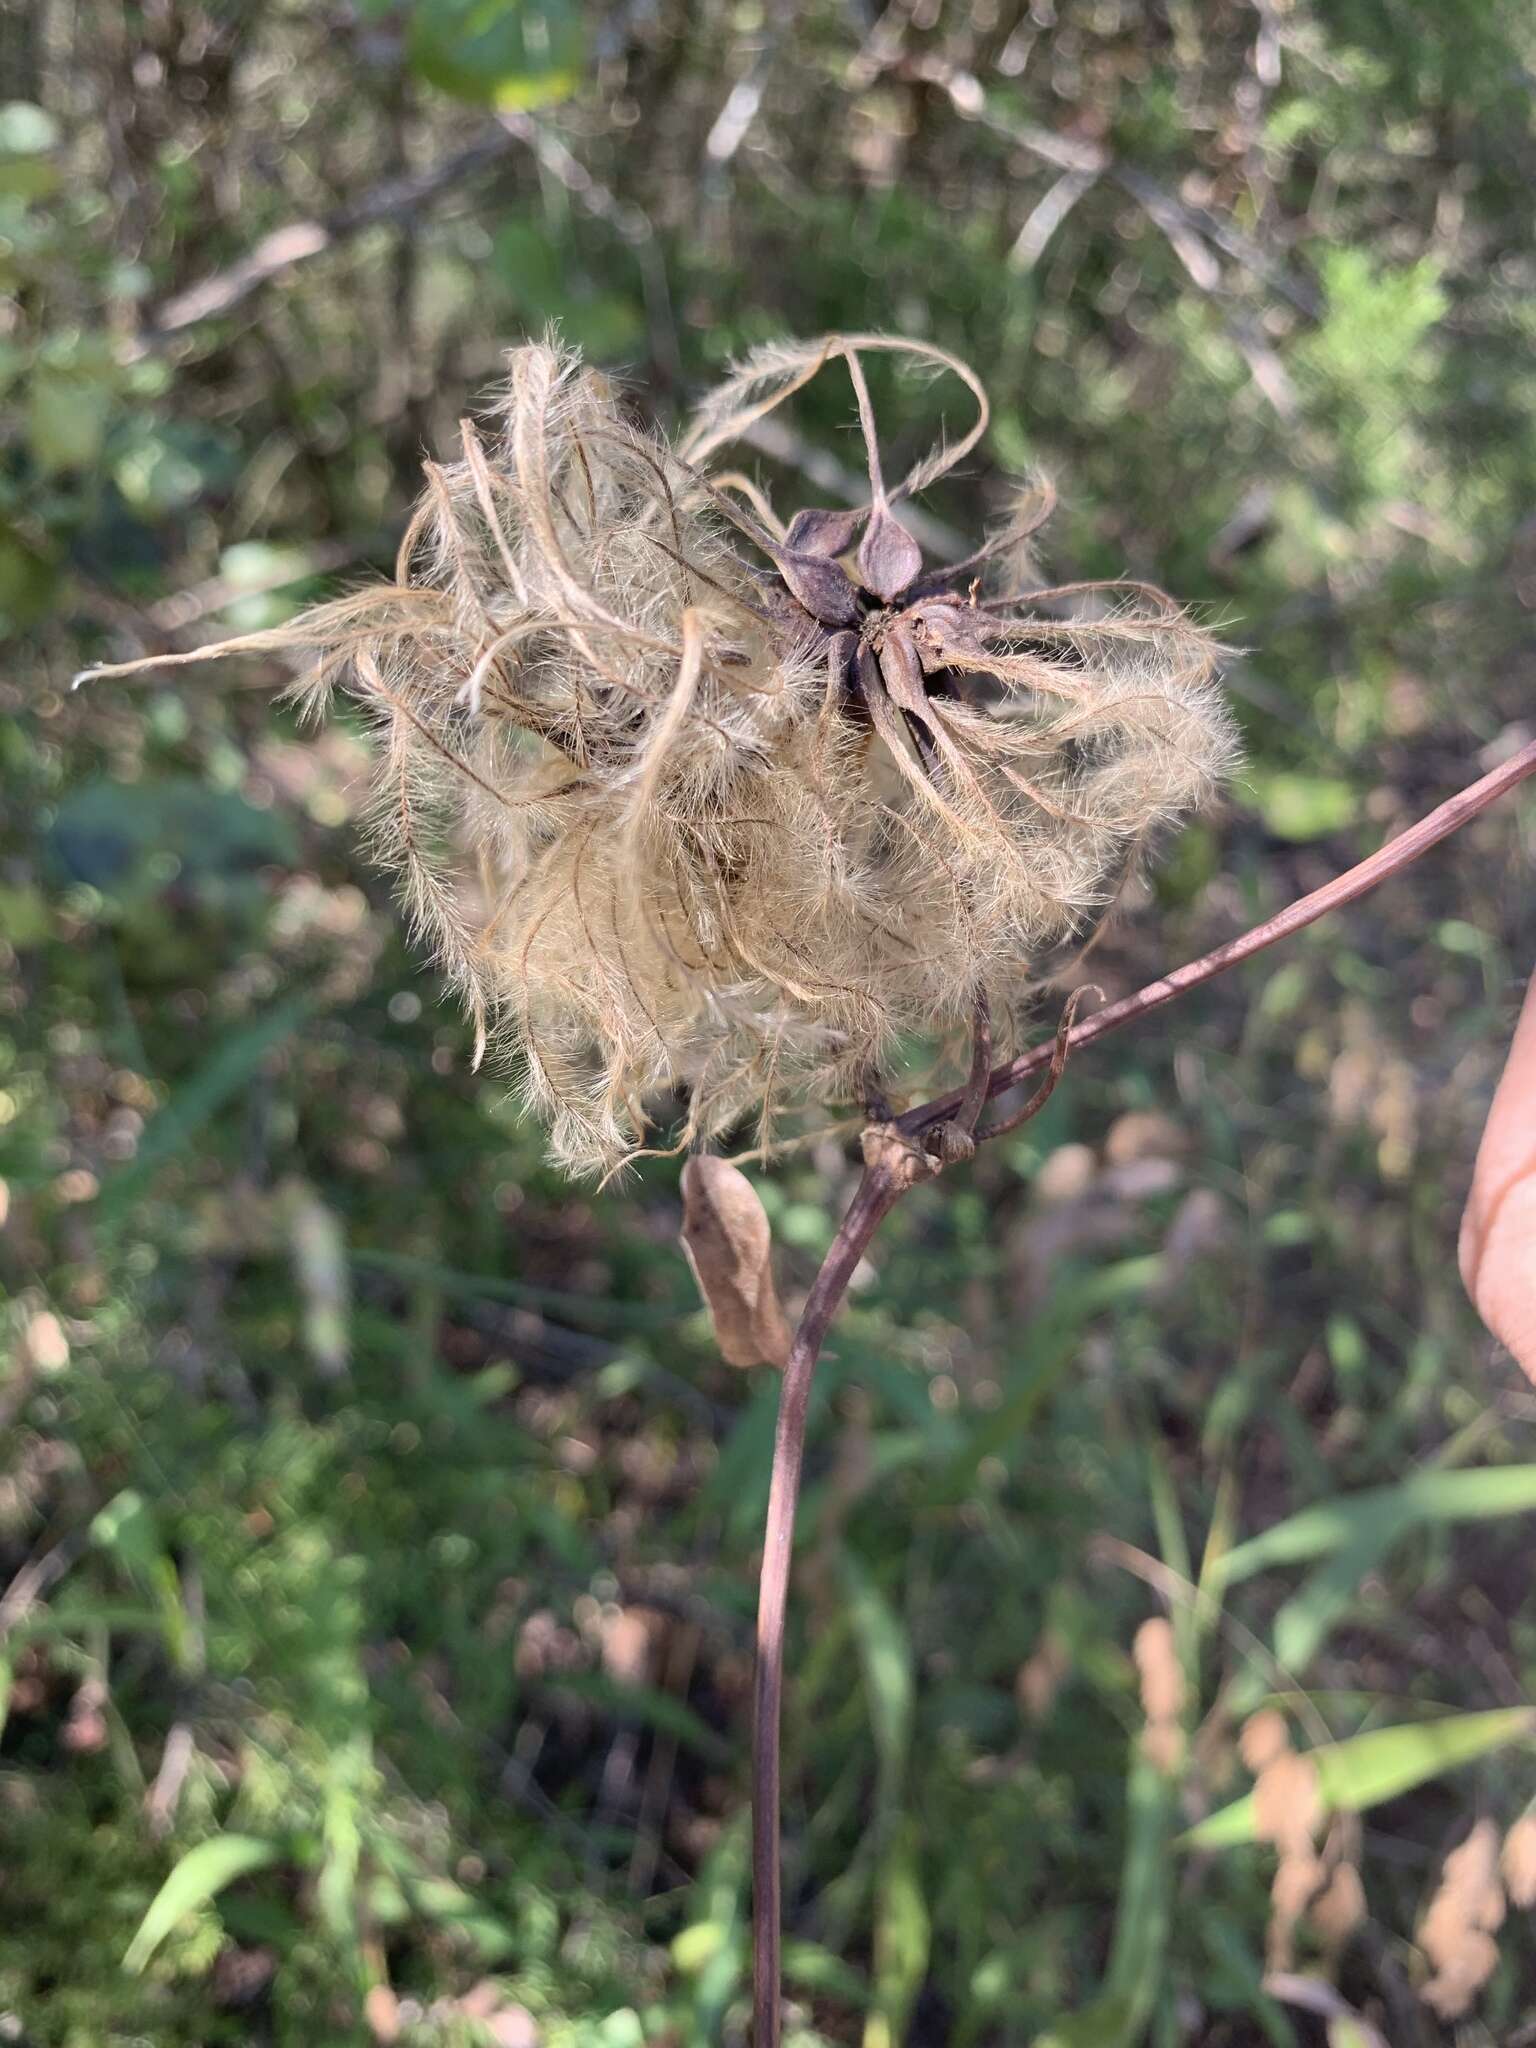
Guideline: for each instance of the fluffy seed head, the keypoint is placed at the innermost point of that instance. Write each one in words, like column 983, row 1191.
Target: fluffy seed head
column 692, row 803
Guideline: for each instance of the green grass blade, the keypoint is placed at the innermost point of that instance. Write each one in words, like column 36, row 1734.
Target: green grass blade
column 1117, row 2018
column 1143, row 1913
column 1384, row 1511
column 1364, row 1770
column 885, row 1656
column 523, row 1293
column 647, row 1703
column 228, row 1068
column 903, row 1934
column 200, row 1876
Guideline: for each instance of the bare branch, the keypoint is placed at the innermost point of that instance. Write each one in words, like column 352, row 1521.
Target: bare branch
column 1047, row 216
column 394, row 199
column 1189, row 225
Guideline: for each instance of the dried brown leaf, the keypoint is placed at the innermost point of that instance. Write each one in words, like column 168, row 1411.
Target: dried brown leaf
column 1457, row 1931
column 1452, row 1990
column 1339, row 1907
column 381, row 2014
column 1287, row 1805
column 1265, row 1736
column 513, row 2027
column 729, row 1246
column 1162, row 1675
column 1518, row 1861
column 1144, row 1134
column 499, row 2020
column 1040, row 1676
column 1295, row 1887
column 629, row 1638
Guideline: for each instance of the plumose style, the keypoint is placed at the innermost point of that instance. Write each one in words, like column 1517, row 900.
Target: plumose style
column 699, row 805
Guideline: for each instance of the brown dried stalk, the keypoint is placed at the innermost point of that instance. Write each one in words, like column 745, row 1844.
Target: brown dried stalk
column 915, row 1147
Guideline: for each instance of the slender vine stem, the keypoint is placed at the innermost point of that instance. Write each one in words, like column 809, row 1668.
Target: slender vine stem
column 973, row 1100
column 1355, row 882
column 896, row 1159
column 876, row 1194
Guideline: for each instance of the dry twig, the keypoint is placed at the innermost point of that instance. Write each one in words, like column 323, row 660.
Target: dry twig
column 393, row 199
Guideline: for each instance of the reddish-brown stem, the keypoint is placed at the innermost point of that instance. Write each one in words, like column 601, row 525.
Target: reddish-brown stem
column 1398, row 853
column 1061, row 1052
column 974, row 1098
column 883, row 1184
column 876, row 1193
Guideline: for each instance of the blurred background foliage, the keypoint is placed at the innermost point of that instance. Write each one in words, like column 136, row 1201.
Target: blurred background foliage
column 376, row 1523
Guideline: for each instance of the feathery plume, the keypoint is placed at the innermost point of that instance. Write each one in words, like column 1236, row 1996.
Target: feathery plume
column 691, row 801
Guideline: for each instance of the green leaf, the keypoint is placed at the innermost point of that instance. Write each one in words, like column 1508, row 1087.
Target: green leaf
column 155, row 476
column 349, row 1776
column 714, row 1941
column 1360, row 1773
column 1295, row 806
column 1302, row 1623
column 24, row 915
column 813, row 1968
column 1360, row 1532
column 448, row 1904
column 123, row 838
column 498, row 53
column 1055, row 1344
column 1144, row 1912
column 126, row 1526
column 1347, row 2033
column 28, row 581
column 623, row 1315
column 697, row 1946
column 28, row 177
column 263, row 578
column 200, row 1876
